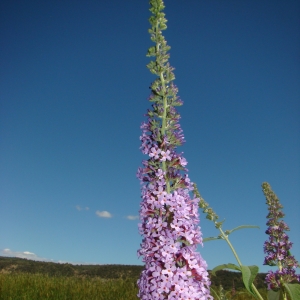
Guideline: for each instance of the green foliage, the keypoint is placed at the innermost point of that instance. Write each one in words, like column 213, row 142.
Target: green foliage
column 20, row 265
column 212, row 238
column 274, row 295
column 21, row 286
column 227, row 232
column 219, row 293
column 226, row 279
column 39, row 286
column 293, row 290
column 225, row 266
column 249, row 273
column 27, row 279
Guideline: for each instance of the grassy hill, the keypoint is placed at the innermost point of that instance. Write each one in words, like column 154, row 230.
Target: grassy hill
column 13, row 265
column 22, row 265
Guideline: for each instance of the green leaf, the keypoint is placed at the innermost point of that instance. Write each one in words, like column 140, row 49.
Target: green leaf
column 215, row 293
column 218, row 224
column 240, row 227
column 151, row 51
column 249, row 273
column 211, row 238
column 184, row 242
column 273, row 295
column 225, row 266
column 293, row 289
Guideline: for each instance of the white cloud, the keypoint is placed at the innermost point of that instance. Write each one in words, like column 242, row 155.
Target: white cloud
column 28, row 253
column 132, row 217
column 25, row 254
column 103, row 214
column 79, row 208
column 32, row 256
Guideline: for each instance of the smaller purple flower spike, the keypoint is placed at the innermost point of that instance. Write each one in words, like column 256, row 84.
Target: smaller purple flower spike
column 277, row 248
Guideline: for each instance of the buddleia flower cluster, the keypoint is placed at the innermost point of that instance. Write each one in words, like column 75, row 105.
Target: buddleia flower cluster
column 277, row 248
column 168, row 214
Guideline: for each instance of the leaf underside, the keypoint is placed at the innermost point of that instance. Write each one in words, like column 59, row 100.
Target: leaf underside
column 293, row 289
column 225, row 266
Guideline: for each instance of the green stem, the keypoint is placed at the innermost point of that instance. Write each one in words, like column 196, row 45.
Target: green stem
column 166, row 178
column 231, row 247
column 284, row 295
column 163, row 127
column 164, row 117
column 256, row 292
column 225, row 237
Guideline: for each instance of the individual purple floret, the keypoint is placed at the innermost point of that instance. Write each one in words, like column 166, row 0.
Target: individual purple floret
column 277, row 248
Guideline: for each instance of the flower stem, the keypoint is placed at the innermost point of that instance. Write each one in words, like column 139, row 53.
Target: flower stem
column 212, row 216
column 256, row 292
column 225, row 237
column 163, row 128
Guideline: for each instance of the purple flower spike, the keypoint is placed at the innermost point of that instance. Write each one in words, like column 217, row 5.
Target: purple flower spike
column 277, row 248
column 169, row 215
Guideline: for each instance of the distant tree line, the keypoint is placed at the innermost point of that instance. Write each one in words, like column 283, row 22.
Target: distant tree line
column 22, row 265
column 227, row 279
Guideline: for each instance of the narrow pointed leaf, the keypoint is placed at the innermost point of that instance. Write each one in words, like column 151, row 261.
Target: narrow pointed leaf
column 293, row 289
column 215, row 294
column 240, row 227
column 249, row 273
column 212, row 238
column 225, row 266
column 273, row 295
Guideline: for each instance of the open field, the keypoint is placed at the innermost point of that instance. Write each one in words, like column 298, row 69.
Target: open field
column 22, row 279
column 38, row 286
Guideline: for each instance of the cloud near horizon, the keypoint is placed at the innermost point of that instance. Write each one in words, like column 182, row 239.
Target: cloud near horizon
column 32, row 256
column 103, row 214
column 132, row 217
column 79, row 208
column 25, row 254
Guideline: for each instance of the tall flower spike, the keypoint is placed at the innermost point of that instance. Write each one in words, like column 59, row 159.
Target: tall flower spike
column 168, row 214
column 277, row 248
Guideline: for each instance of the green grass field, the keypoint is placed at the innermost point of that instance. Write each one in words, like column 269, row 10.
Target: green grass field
column 43, row 287
column 22, row 286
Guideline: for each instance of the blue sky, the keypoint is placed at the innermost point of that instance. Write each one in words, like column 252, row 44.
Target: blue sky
column 73, row 93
